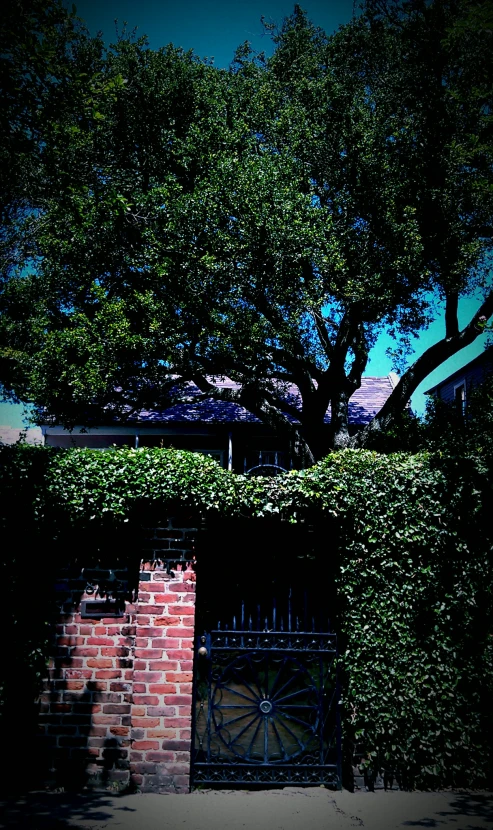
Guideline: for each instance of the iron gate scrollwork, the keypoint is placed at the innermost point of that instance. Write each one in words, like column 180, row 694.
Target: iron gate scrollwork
column 266, row 707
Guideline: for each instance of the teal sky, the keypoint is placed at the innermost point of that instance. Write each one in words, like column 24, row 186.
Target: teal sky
column 213, row 29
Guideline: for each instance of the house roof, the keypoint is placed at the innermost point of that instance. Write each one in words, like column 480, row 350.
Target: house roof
column 363, row 406
column 485, row 358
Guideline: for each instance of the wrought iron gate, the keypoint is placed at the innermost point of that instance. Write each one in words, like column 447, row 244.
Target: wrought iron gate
column 266, row 708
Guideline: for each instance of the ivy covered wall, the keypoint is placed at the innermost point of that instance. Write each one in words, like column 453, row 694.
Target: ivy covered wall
column 413, row 573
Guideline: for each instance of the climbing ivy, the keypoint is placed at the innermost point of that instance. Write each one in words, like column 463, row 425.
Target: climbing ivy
column 413, row 572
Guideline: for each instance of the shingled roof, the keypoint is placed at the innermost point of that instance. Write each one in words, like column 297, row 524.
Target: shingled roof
column 363, row 406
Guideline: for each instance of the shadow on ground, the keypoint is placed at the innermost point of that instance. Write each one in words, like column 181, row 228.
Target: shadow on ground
column 465, row 811
column 58, row 811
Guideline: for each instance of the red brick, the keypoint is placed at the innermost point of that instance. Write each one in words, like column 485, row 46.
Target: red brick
column 136, row 779
column 120, row 730
column 85, row 651
column 143, row 619
column 152, row 609
column 162, row 688
column 148, row 676
column 140, row 688
column 164, row 665
column 93, row 741
column 110, row 674
column 100, row 629
column 99, row 641
column 162, row 733
column 145, row 745
column 179, row 700
column 115, row 651
column 169, row 743
column 159, row 755
column 146, row 700
column 148, row 653
column 145, row 767
column 161, row 643
column 145, row 722
column 110, row 720
column 179, row 653
column 138, row 711
column 150, row 631
column 70, row 662
column 141, row 642
column 180, row 631
column 178, row 677
column 116, row 708
column 75, row 674
column 100, row 662
column 166, row 712
column 181, row 610
column 173, row 769
column 98, row 685
column 121, row 687
column 159, row 598
column 179, row 587
column 97, row 731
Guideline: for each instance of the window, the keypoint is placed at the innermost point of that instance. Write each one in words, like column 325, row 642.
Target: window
column 460, row 397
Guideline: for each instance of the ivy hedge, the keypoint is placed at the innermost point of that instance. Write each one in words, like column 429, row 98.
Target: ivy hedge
column 414, row 577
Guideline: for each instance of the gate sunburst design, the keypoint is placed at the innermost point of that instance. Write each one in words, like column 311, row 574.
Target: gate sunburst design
column 266, row 708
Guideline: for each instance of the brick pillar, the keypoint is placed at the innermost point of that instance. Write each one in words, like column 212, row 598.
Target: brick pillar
column 85, row 705
column 162, row 681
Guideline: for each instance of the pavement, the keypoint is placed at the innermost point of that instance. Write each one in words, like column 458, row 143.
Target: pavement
column 292, row 808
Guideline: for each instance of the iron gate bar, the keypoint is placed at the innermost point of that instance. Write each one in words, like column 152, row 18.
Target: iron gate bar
column 287, row 756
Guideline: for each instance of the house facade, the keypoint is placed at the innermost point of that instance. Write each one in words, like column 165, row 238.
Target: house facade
column 457, row 387
column 232, row 435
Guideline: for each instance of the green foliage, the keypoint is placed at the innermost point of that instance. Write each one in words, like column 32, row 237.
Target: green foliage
column 414, row 576
column 168, row 220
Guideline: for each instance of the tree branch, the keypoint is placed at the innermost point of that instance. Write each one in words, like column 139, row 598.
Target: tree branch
column 426, row 363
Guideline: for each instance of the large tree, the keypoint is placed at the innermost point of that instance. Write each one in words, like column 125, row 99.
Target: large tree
column 263, row 223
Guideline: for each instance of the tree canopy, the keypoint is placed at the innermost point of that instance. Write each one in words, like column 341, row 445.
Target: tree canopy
column 166, row 221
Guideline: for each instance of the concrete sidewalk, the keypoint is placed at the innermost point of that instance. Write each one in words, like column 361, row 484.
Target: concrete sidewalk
column 313, row 808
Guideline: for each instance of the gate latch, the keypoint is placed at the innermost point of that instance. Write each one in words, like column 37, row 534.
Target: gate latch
column 203, row 651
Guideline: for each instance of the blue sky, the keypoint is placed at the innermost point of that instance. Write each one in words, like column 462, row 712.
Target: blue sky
column 213, row 29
